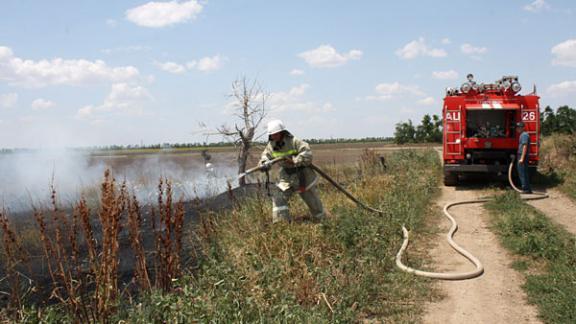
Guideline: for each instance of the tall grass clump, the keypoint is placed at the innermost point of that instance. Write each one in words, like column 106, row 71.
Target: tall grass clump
column 558, row 162
column 548, row 252
column 341, row 270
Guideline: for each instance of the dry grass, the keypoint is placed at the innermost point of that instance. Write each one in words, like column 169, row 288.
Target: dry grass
column 558, row 162
column 247, row 270
column 82, row 253
column 341, row 270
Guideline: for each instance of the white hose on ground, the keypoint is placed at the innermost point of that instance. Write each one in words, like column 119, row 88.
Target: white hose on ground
column 479, row 267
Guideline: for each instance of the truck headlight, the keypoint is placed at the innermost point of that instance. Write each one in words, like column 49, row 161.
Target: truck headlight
column 465, row 87
column 516, row 87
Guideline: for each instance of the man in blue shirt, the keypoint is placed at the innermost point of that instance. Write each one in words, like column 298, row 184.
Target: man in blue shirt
column 523, row 154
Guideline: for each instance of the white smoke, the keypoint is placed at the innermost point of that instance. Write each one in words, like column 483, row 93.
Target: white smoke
column 26, row 177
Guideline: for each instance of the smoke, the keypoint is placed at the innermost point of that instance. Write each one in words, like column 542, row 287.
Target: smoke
column 26, row 177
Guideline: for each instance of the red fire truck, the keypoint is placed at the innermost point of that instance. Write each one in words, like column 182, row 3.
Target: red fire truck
column 480, row 127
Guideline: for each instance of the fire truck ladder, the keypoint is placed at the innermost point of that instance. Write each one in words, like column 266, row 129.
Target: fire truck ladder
column 454, row 132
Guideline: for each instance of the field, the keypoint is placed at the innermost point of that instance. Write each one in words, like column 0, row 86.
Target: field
column 219, row 258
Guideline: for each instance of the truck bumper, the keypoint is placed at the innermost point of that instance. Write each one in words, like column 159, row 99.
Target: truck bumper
column 475, row 168
column 478, row 168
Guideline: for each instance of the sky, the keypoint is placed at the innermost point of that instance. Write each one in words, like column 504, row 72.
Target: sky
column 80, row 73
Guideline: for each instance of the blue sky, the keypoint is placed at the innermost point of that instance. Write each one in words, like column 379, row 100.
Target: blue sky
column 85, row 73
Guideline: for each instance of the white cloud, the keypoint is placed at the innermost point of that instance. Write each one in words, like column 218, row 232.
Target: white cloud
column 562, row 89
column 58, row 71
column 294, row 100
column 123, row 98
column 468, row 49
column 172, row 67
column 296, row 72
column 124, row 95
column 446, row 41
column 85, row 112
column 326, row 56
column 387, row 91
column 208, row 64
column 162, row 14
column 565, row 53
column 537, row 6
column 428, row 101
column 8, row 100
column 419, row 48
column 40, row 104
column 205, row 64
column 445, row 75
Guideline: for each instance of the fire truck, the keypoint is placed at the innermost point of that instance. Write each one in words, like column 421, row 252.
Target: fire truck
column 479, row 134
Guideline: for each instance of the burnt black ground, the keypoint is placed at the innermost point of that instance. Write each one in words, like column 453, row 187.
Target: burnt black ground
column 36, row 268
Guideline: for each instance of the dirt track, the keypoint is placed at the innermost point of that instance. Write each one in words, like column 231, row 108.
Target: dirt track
column 496, row 296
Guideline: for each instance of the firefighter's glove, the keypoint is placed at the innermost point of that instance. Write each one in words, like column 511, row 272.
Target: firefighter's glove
column 265, row 165
column 297, row 162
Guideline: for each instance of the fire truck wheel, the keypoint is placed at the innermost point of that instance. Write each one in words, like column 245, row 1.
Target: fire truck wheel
column 450, row 179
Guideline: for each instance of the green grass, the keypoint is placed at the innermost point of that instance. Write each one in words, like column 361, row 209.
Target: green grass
column 339, row 271
column 550, row 256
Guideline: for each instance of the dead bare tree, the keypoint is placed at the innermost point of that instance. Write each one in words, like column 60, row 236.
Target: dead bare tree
column 249, row 104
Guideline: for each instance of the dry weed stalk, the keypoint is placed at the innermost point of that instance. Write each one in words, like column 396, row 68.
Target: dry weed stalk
column 134, row 226
column 14, row 255
column 112, row 205
column 168, row 236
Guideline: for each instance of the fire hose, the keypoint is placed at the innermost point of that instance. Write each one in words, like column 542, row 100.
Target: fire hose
column 323, row 175
column 479, row 270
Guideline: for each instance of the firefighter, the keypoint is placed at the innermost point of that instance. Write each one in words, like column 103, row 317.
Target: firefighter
column 523, row 154
column 295, row 173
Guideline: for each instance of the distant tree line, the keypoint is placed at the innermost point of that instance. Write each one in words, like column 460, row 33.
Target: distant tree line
column 428, row 131
column 562, row 121
column 349, row 140
column 162, row 146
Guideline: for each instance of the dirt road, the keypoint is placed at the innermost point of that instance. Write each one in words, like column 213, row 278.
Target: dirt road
column 494, row 297
column 559, row 208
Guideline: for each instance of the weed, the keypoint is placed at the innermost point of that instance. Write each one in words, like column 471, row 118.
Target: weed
column 558, row 162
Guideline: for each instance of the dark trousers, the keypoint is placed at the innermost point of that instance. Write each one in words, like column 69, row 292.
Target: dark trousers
column 524, row 175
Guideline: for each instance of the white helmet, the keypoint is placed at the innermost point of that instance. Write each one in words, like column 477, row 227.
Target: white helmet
column 275, row 126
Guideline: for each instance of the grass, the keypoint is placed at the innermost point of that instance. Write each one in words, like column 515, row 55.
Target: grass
column 341, row 270
column 246, row 269
column 558, row 162
column 548, row 256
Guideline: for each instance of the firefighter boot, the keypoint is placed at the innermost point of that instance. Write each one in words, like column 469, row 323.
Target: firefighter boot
column 280, row 210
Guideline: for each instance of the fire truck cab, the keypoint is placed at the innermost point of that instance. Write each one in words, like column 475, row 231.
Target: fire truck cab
column 479, row 133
